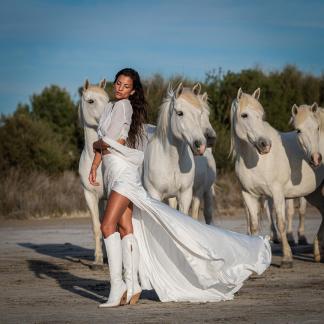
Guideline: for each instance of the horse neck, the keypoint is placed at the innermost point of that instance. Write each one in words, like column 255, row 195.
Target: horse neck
column 90, row 136
column 176, row 148
column 242, row 148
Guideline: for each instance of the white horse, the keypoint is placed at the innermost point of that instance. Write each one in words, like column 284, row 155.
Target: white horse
column 93, row 101
column 270, row 163
column 309, row 124
column 205, row 166
column 169, row 167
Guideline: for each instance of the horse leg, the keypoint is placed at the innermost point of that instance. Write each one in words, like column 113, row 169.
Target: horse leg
column 317, row 200
column 195, row 207
column 184, row 200
column 279, row 205
column 209, row 199
column 154, row 193
column 92, row 202
column 301, row 228
column 173, row 203
column 252, row 204
column 290, row 214
column 268, row 208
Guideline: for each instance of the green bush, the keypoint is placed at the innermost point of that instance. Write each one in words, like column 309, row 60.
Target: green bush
column 29, row 144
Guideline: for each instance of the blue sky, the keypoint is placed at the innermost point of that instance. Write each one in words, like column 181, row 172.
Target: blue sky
column 62, row 42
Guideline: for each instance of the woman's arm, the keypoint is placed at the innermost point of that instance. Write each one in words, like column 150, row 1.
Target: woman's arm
column 93, row 171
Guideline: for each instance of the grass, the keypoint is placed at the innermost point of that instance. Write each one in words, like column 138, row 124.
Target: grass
column 35, row 194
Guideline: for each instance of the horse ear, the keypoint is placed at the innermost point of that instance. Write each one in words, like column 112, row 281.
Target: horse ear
column 196, row 88
column 169, row 89
column 102, row 83
column 239, row 94
column 256, row 94
column 86, row 84
column 314, row 107
column 294, row 110
column 204, row 97
column 179, row 90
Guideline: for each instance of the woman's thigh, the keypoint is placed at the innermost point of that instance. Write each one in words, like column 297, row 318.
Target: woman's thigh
column 116, row 207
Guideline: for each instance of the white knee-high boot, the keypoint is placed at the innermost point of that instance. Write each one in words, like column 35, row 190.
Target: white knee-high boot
column 118, row 289
column 131, row 264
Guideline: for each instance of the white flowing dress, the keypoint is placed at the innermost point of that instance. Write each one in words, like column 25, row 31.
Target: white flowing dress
column 182, row 259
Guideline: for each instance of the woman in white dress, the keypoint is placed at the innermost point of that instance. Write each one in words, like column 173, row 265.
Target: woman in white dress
column 182, row 259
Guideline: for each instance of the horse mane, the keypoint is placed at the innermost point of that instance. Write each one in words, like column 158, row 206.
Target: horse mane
column 163, row 120
column 80, row 115
column 232, row 152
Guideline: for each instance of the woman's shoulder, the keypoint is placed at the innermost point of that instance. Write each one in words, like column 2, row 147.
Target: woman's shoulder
column 124, row 103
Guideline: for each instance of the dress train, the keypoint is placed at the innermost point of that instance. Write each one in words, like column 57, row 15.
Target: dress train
column 182, row 259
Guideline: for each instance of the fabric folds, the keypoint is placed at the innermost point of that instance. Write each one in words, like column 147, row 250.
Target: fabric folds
column 182, row 259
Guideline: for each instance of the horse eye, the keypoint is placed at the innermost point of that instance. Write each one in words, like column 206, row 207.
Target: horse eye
column 298, row 131
column 244, row 115
column 90, row 101
column 179, row 113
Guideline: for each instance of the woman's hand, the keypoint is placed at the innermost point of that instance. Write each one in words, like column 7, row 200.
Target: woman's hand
column 99, row 146
column 93, row 175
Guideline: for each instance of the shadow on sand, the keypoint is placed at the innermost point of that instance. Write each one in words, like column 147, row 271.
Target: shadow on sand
column 65, row 251
column 300, row 252
column 88, row 288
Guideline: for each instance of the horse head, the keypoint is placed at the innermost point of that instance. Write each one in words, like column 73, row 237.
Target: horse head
column 306, row 122
column 93, row 101
column 248, row 121
column 185, row 118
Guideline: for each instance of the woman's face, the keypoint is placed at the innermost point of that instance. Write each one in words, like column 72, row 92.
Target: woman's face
column 123, row 87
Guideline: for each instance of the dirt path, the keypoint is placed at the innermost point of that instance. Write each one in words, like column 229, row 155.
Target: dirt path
column 45, row 279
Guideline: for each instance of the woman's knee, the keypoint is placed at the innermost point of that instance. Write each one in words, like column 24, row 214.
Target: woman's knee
column 124, row 231
column 108, row 228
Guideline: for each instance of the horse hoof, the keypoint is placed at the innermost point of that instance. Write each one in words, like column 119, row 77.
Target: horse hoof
column 317, row 258
column 302, row 241
column 286, row 264
column 96, row 266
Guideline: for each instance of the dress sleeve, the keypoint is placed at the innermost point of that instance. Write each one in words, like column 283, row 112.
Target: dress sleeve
column 127, row 119
column 121, row 120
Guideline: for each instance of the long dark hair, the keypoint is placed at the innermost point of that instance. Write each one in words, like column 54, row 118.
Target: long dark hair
column 139, row 105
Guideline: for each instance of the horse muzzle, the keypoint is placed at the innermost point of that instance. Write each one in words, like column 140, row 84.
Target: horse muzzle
column 316, row 159
column 263, row 145
column 198, row 148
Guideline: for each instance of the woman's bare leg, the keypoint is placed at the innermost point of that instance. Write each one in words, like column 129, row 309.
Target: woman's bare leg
column 116, row 206
column 125, row 225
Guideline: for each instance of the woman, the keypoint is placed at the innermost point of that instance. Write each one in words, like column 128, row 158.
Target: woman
column 120, row 122
column 182, row 259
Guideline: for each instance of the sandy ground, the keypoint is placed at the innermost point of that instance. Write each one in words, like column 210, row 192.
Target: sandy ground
column 45, row 278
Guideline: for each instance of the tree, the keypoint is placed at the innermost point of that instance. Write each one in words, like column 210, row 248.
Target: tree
column 28, row 143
